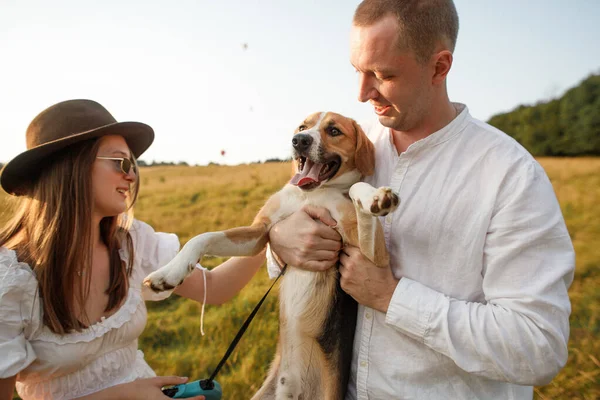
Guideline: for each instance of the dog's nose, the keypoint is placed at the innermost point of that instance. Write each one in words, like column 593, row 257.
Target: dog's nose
column 301, row 141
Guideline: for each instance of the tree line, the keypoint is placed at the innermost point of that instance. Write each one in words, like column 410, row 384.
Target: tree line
column 566, row 126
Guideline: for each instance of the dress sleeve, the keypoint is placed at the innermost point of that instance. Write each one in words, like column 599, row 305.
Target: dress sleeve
column 152, row 251
column 19, row 314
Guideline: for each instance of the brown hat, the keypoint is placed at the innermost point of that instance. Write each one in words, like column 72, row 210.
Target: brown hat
column 61, row 125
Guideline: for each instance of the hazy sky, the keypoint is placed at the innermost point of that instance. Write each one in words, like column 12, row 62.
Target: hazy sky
column 181, row 66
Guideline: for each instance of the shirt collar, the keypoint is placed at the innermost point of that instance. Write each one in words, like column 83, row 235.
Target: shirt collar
column 446, row 133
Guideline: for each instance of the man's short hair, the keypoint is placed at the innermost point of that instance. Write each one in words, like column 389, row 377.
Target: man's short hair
column 424, row 24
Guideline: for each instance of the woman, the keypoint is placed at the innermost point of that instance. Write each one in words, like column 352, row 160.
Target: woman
column 72, row 260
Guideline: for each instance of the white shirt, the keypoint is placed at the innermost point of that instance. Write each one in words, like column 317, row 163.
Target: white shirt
column 485, row 260
column 55, row 367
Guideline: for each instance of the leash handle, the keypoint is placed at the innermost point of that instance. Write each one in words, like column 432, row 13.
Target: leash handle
column 211, row 390
column 244, row 327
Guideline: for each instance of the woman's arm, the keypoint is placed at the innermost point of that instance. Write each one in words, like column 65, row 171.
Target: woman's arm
column 143, row 389
column 7, row 388
column 222, row 282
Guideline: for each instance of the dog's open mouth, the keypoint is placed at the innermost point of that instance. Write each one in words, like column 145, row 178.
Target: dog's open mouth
column 311, row 174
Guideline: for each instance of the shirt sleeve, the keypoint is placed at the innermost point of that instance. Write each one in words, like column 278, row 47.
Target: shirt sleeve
column 152, row 251
column 520, row 333
column 18, row 299
column 273, row 267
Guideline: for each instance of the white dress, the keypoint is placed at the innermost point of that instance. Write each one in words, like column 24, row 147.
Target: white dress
column 56, row 367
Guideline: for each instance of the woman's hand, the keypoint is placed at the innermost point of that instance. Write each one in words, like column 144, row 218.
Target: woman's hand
column 150, row 388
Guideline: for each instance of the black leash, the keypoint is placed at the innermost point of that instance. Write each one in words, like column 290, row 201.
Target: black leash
column 243, row 328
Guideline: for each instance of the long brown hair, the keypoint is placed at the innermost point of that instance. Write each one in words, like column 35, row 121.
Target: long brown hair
column 51, row 231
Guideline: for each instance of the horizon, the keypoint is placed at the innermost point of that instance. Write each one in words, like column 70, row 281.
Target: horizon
column 241, row 75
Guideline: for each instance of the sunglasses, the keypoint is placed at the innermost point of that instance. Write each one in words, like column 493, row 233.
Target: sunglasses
column 125, row 164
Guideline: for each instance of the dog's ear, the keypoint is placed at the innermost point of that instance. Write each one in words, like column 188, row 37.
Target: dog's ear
column 364, row 157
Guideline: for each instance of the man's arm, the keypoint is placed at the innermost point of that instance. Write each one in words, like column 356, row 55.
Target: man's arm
column 520, row 333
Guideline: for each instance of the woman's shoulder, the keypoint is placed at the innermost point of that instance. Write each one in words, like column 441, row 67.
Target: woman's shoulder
column 141, row 232
column 18, row 294
column 140, row 228
column 152, row 249
column 15, row 275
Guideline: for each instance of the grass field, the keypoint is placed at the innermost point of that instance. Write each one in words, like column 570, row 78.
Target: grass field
column 191, row 200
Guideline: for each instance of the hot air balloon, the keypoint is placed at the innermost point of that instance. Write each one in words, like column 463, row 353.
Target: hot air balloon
column 223, row 152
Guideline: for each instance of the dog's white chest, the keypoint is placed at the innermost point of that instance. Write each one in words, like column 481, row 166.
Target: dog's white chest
column 297, row 290
column 327, row 198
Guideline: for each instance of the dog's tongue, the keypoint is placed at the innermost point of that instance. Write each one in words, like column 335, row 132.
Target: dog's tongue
column 308, row 175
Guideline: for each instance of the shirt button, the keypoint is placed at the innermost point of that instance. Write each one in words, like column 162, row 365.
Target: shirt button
column 368, row 315
column 363, row 363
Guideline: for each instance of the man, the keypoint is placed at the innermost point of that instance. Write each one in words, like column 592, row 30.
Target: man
column 475, row 303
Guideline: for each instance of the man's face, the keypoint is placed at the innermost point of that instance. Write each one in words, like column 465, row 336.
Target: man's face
column 390, row 78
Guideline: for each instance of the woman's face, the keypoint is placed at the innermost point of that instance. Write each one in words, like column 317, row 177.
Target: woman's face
column 110, row 185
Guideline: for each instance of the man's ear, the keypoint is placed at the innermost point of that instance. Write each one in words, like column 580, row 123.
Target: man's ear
column 364, row 156
column 443, row 63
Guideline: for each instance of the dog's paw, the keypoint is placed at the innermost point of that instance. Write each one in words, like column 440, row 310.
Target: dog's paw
column 375, row 201
column 168, row 277
column 384, row 201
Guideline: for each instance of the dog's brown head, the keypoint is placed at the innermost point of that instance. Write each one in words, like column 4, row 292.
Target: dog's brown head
column 330, row 150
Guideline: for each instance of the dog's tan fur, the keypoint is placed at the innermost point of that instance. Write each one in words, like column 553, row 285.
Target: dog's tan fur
column 312, row 359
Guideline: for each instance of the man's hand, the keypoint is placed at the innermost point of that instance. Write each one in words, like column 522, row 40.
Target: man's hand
column 306, row 239
column 369, row 285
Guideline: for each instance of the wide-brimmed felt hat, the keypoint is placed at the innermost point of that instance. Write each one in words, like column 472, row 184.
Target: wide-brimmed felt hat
column 64, row 124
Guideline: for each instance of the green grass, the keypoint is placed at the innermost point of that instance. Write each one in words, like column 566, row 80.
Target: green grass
column 191, row 200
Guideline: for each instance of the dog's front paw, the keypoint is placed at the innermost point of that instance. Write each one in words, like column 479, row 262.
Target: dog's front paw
column 168, row 277
column 374, row 201
column 384, row 201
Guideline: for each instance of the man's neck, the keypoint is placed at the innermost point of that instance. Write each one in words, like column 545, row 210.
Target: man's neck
column 438, row 118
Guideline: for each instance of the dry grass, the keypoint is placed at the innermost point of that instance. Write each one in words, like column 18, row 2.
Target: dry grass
column 577, row 186
column 190, row 200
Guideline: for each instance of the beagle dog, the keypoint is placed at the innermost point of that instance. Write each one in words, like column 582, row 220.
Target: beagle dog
column 317, row 318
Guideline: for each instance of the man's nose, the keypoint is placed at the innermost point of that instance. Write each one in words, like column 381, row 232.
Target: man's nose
column 366, row 90
column 301, row 141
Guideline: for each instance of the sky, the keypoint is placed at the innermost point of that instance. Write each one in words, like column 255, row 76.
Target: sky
column 240, row 75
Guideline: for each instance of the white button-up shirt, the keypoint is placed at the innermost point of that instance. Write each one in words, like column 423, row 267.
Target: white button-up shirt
column 485, row 260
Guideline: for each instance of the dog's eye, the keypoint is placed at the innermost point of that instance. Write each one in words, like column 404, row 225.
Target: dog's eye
column 333, row 131
column 301, row 128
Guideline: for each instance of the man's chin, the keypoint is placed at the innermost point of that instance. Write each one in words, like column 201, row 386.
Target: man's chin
column 394, row 122
column 388, row 121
